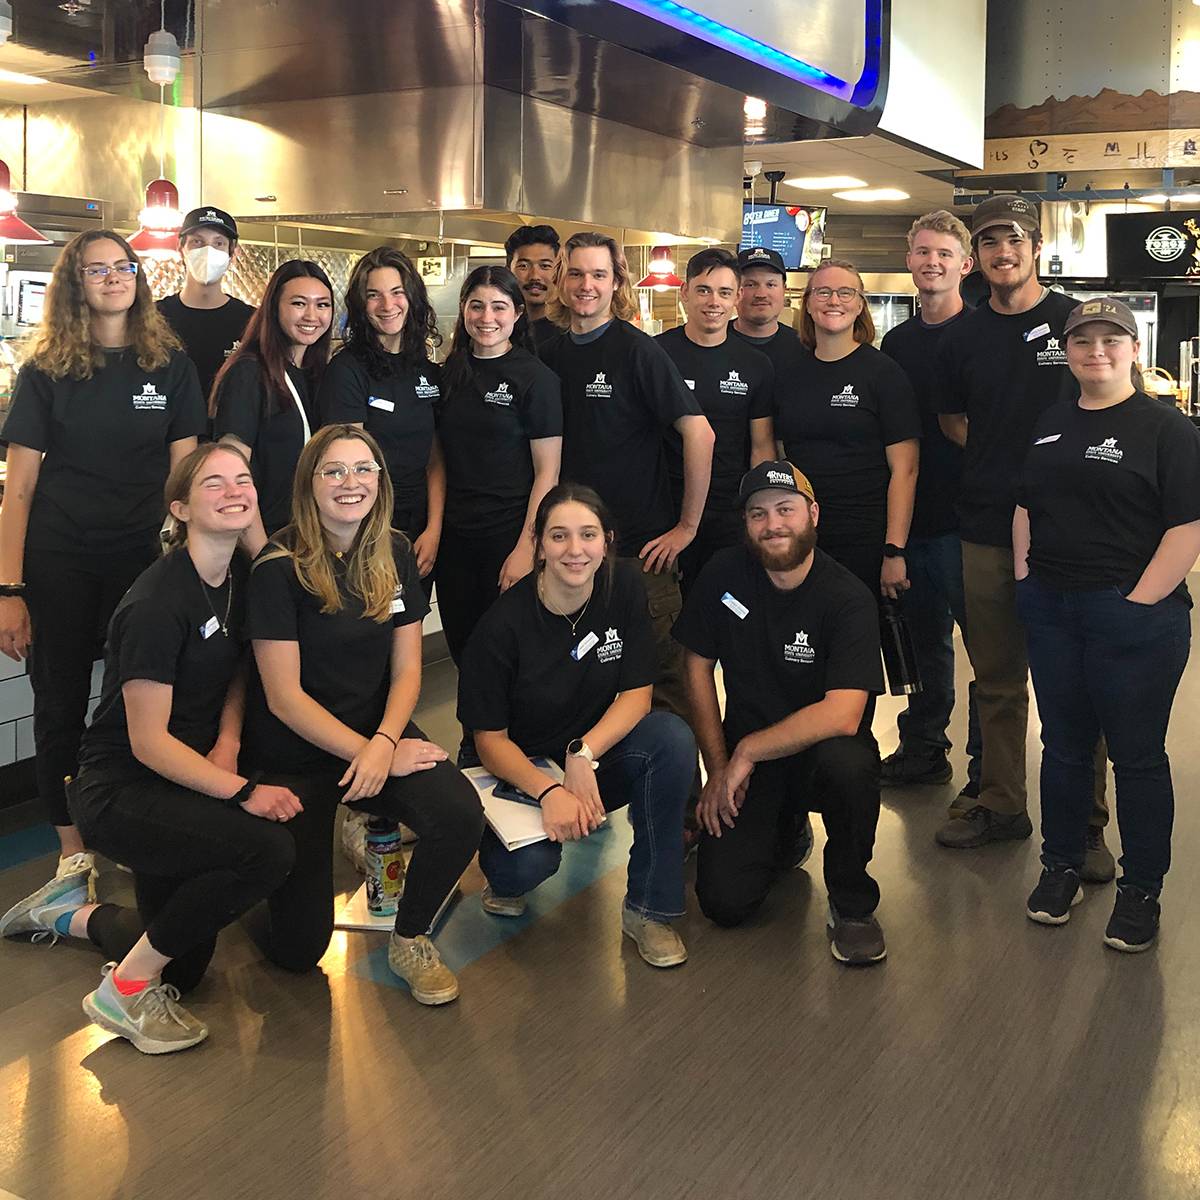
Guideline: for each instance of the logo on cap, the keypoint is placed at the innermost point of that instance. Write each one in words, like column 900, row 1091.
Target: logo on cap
column 781, row 477
column 758, row 252
column 211, row 216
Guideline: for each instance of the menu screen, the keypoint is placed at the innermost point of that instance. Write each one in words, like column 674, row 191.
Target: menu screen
column 796, row 233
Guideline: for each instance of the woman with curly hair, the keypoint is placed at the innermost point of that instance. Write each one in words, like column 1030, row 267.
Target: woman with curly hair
column 103, row 408
column 335, row 611
column 383, row 382
column 264, row 397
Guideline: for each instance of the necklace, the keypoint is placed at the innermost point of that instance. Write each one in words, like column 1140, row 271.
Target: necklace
column 551, row 609
column 228, row 602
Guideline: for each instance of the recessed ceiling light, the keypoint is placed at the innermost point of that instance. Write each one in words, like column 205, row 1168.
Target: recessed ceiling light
column 17, row 77
column 825, row 183
column 754, row 109
column 871, row 195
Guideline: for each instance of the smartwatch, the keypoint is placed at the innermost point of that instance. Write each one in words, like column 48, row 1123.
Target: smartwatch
column 890, row 550
column 578, row 748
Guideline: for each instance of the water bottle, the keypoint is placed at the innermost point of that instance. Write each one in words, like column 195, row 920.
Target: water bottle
column 899, row 655
column 385, row 867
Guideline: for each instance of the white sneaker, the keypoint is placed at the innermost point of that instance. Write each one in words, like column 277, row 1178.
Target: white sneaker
column 36, row 914
column 354, row 840
column 152, row 1019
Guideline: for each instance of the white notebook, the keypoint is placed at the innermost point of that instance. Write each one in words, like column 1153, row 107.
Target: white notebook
column 516, row 823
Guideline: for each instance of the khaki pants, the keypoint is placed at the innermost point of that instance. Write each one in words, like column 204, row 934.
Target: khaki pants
column 995, row 642
column 665, row 601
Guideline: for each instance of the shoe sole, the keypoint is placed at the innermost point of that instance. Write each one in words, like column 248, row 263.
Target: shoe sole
column 854, row 962
column 673, row 961
column 1047, row 918
column 433, row 999
column 98, row 1016
column 1128, row 947
column 501, row 911
column 990, row 839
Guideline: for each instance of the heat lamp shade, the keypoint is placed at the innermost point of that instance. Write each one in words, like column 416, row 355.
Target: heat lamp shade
column 668, row 279
column 155, row 243
column 20, row 233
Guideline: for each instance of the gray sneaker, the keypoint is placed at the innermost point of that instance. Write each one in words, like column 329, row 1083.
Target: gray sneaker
column 36, row 914
column 501, row 906
column 152, row 1019
column 417, row 962
column 855, row 941
column 657, row 942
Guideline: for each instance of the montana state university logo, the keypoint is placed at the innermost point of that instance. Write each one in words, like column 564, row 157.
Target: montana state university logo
column 499, row 395
column 799, row 651
column 1106, row 451
column 846, row 398
column 149, row 399
column 427, row 390
column 599, row 386
column 611, row 650
column 1052, row 354
column 733, row 386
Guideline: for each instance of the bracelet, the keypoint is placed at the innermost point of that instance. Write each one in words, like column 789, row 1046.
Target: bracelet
column 12, row 589
column 380, row 733
column 244, row 792
column 547, row 791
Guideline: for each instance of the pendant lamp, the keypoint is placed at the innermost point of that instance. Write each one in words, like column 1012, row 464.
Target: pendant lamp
column 12, row 229
column 660, row 271
column 160, row 221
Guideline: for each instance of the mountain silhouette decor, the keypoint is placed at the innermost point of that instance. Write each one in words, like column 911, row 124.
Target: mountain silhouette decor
column 1108, row 111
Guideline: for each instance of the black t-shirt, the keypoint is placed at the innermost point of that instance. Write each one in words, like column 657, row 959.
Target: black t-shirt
column 535, row 336
column 397, row 411
column 914, row 346
column 167, row 629
column 620, row 393
column 345, row 657
column 780, row 651
column 1102, row 486
column 1003, row 372
column 209, row 335
column 734, row 385
column 485, row 426
column 275, row 443
column 780, row 347
column 836, row 420
column 525, row 671
column 105, row 441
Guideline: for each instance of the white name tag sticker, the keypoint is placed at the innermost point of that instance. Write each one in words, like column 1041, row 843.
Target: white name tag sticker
column 584, row 646
column 1051, row 438
column 1040, row 331
column 209, row 627
column 380, row 402
column 691, row 383
column 735, row 606
column 397, row 605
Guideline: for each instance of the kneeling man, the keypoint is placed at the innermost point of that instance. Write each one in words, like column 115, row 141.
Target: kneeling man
column 797, row 637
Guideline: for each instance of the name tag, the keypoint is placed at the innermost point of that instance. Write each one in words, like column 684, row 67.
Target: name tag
column 209, row 627
column 380, row 402
column 691, row 383
column 1040, row 331
column 584, row 646
column 1052, row 438
column 397, row 605
column 735, row 606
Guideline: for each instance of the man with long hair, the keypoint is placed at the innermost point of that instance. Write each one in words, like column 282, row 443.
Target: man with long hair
column 621, row 393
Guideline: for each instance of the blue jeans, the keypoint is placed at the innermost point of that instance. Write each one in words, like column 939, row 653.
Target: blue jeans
column 933, row 605
column 650, row 770
column 1103, row 664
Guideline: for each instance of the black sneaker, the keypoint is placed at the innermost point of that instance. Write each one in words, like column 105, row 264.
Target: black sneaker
column 900, row 769
column 794, row 851
column 1133, row 925
column 1057, row 892
column 855, row 941
column 979, row 826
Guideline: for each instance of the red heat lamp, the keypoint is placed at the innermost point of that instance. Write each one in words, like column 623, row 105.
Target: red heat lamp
column 12, row 229
column 160, row 222
column 661, row 271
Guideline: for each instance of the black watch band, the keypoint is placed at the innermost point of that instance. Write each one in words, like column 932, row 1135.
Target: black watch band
column 244, row 792
column 891, row 550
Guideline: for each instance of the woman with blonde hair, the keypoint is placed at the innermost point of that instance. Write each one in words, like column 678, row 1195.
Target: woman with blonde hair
column 105, row 405
column 335, row 613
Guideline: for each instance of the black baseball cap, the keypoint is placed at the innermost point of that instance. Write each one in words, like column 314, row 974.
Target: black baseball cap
column 778, row 474
column 1109, row 309
column 761, row 256
column 1014, row 211
column 209, row 218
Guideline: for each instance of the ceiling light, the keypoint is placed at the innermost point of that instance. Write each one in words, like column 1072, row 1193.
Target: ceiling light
column 825, row 183
column 160, row 222
column 161, row 58
column 755, row 109
column 17, row 77
column 1158, row 197
column 12, row 228
column 660, row 271
column 872, row 195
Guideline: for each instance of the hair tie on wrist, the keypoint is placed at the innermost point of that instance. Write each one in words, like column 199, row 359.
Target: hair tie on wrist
column 547, row 791
column 380, row 733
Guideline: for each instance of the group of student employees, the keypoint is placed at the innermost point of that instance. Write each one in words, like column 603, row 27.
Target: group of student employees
column 560, row 475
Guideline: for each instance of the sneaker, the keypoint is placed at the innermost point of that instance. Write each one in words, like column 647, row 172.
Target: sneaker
column 855, row 941
column 501, row 906
column 900, row 769
column 417, row 962
column 36, row 914
column 1133, row 925
column 1098, row 865
column 966, row 799
column 979, row 826
column 796, row 850
column 152, row 1019
column 354, row 839
column 73, row 864
column 1057, row 892
column 657, row 942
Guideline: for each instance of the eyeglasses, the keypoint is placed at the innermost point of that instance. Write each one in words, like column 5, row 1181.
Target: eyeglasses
column 125, row 268
column 828, row 293
column 339, row 472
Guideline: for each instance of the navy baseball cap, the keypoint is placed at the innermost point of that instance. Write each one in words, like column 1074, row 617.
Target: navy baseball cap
column 209, row 218
column 761, row 256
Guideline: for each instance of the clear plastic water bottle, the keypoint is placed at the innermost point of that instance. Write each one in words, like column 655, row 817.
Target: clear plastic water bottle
column 385, row 867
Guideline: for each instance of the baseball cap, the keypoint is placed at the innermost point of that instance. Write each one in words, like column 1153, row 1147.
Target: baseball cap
column 779, row 474
column 209, row 218
column 1005, row 210
column 761, row 256
column 1105, row 309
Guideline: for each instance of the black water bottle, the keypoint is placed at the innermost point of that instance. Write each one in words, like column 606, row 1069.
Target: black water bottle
column 899, row 656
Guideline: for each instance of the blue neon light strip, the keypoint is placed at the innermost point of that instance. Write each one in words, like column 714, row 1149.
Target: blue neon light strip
column 690, row 21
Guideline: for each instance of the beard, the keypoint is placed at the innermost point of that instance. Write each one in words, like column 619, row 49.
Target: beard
column 1009, row 286
column 782, row 552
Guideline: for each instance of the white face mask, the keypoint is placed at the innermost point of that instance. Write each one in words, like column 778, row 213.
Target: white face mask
column 206, row 264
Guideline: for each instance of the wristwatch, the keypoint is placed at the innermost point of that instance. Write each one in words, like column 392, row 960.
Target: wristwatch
column 891, row 550
column 578, row 748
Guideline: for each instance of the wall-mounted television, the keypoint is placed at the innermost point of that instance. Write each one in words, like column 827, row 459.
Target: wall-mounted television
column 796, row 232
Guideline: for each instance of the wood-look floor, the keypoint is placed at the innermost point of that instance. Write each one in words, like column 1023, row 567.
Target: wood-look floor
column 987, row 1058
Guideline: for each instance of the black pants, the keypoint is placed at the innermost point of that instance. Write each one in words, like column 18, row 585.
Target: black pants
column 468, row 571
column 440, row 805
column 197, row 866
column 716, row 532
column 865, row 562
column 839, row 778
column 71, row 599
